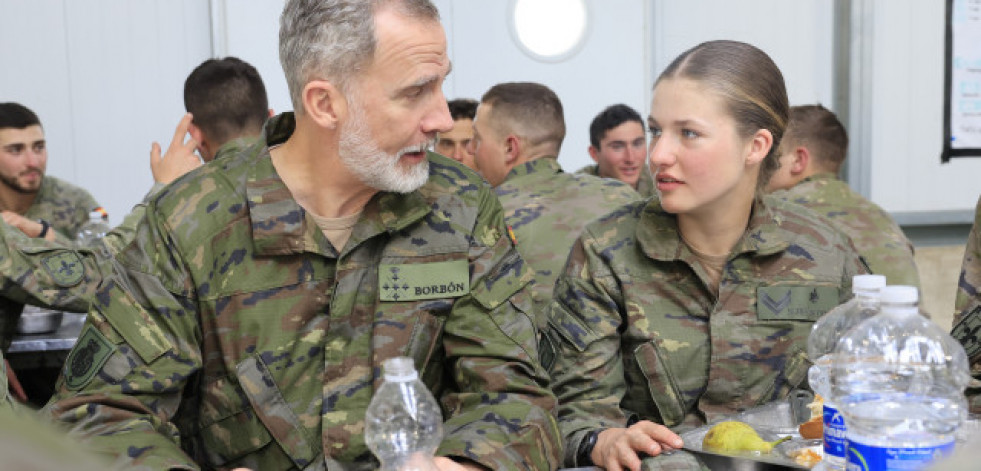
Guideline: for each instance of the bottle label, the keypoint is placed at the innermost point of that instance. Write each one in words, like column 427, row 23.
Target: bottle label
column 835, row 442
column 863, row 457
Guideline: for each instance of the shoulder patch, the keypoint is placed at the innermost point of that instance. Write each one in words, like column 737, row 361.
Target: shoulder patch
column 64, row 267
column 91, row 352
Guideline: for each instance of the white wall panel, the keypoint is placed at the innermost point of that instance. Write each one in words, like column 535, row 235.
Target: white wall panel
column 906, row 137
column 797, row 35
column 106, row 78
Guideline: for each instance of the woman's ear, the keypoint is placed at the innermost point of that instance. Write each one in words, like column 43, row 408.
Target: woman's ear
column 324, row 103
column 759, row 146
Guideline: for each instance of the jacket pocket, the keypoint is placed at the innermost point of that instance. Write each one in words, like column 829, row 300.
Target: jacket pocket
column 274, row 412
column 230, row 429
column 793, row 376
column 660, row 384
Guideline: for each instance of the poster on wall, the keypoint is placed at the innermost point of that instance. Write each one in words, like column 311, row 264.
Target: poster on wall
column 962, row 87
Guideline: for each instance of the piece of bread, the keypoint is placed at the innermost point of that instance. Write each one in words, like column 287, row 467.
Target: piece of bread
column 813, row 428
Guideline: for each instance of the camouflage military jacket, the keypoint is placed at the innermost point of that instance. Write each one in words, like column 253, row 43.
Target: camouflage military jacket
column 639, row 335
column 59, row 276
column 65, row 206
column 547, row 209
column 124, row 233
column 967, row 307
column 232, row 334
column 645, row 184
column 876, row 236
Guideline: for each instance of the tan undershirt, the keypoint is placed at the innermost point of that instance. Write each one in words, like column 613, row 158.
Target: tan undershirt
column 337, row 230
column 712, row 264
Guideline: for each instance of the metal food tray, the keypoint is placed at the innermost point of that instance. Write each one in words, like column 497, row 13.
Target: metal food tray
column 771, row 422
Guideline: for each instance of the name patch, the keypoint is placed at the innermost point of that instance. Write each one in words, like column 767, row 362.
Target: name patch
column 418, row 281
column 806, row 303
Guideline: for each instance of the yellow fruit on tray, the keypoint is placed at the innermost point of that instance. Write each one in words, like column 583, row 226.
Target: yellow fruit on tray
column 736, row 437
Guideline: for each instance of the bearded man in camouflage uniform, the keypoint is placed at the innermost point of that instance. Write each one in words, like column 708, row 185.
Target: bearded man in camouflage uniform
column 246, row 324
column 967, row 306
column 810, row 156
column 518, row 132
column 38, row 204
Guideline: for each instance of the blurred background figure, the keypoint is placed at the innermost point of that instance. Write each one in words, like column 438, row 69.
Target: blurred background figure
column 518, row 132
column 811, row 154
column 618, row 145
column 455, row 144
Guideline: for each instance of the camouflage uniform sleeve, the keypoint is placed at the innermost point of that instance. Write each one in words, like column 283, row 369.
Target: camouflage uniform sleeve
column 501, row 411
column 124, row 380
column 967, row 306
column 587, row 373
column 121, row 235
column 45, row 273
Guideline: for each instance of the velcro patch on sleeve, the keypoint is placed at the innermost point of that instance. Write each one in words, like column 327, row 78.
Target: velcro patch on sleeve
column 85, row 360
column 64, row 267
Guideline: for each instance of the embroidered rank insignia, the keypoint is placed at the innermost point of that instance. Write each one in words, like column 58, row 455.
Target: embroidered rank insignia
column 794, row 302
column 64, row 267
column 85, row 360
column 416, row 281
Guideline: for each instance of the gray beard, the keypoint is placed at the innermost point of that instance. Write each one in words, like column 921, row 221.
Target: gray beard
column 381, row 171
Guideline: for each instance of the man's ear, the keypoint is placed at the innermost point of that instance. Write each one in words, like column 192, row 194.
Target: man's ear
column 512, row 149
column 204, row 146
column 324, row 103
column 801, row 162
column 594, row 153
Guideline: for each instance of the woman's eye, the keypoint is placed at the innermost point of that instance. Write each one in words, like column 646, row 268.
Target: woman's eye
column 655, row 132
column 689, row 134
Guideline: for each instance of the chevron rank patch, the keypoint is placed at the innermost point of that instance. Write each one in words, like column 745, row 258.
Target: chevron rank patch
column 794, row 302
column 85, row 360
column 64, row 267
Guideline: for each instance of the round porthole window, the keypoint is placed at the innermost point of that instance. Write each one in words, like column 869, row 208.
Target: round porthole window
column 549, row 30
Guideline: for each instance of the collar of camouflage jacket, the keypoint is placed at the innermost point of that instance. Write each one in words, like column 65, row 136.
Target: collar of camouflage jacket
column 281, row 226
column 658, row 237
column 820, row 176
column 544, row 166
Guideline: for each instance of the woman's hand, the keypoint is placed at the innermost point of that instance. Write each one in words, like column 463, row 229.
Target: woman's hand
column 618, row 448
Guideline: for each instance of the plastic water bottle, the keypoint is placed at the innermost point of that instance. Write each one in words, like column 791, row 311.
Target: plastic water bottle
column 825, row 334
column 403, row 423
column 899, row 380
column 93, row 230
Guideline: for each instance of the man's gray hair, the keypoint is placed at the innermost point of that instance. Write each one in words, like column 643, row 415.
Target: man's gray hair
column 333, row 39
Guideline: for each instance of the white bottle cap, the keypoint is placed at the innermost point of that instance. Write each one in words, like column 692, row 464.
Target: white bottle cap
column 866, row 283
column 399, row 370
column 900, row 294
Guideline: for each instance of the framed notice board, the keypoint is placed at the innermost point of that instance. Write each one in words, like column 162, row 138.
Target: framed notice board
column 962, row 87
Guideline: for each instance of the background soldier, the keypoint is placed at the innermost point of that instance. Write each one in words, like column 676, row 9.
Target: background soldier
column 811, row 155
column 518, row 133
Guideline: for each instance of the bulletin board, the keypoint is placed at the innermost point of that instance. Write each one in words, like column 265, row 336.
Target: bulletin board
column 962, row 87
